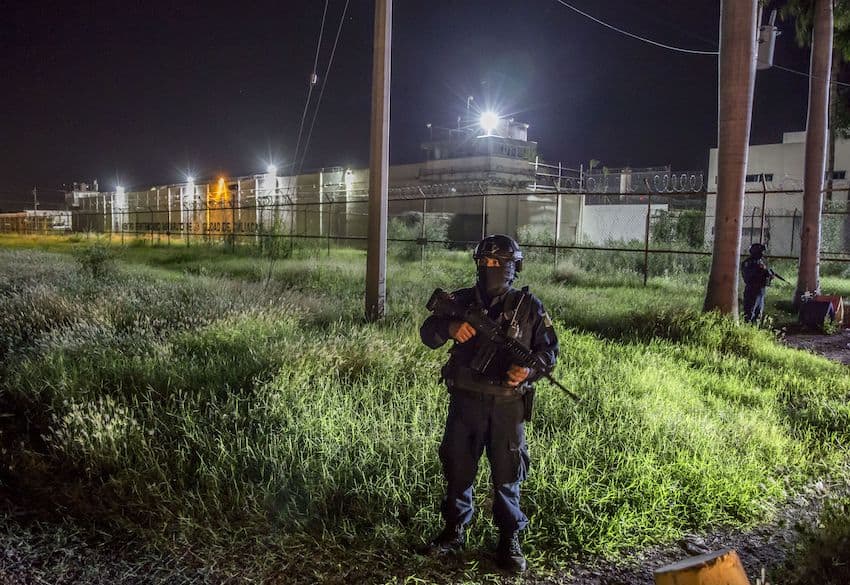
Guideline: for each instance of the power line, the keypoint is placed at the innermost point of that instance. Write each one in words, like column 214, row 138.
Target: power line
column 809, row 75
column 322, row 90
column 683, row 50
column 637, row 37
column 311, row 84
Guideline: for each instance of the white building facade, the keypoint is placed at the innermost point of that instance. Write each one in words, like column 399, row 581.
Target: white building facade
column 778, row 169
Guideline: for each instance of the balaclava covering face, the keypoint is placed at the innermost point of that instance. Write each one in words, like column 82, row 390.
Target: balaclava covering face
column 495, row 280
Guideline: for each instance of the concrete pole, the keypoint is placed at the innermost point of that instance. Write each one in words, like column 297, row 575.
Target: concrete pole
column 376, row 256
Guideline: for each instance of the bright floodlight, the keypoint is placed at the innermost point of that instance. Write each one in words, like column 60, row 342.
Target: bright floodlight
column 271, row 169
column 489, row 121
column 190, row 179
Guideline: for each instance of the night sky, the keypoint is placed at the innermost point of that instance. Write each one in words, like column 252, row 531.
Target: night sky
column 139, row 92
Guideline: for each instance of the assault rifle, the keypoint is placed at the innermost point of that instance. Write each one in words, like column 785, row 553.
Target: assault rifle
column 442, row 304
column 774, row 274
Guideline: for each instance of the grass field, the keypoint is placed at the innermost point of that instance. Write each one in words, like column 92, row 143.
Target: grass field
column 241, row 403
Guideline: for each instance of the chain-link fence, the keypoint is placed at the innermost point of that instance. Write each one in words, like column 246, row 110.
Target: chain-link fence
column 651, row 233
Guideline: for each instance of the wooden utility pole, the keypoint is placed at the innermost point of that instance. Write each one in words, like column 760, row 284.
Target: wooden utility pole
column 737, row 72
column 376, row 255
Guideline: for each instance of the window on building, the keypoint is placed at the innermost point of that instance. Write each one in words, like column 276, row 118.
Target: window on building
column 756, row 178
column 836, row 175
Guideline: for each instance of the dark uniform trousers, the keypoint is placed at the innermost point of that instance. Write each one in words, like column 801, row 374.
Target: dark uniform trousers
column 473, row 420
column 753, row 302
column 756, row 278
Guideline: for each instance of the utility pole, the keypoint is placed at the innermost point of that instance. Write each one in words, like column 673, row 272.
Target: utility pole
column 35, row 198
column 376, row 255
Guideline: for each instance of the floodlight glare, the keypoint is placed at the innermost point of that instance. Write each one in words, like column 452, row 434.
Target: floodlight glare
column 271, row 169
column 190, row 179
column 489, row 121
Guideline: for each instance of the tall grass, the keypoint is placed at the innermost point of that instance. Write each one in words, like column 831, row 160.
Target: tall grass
column 184, row 397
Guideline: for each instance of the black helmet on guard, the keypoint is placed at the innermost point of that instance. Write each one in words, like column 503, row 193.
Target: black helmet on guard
column 757, row 250
column 499, row 246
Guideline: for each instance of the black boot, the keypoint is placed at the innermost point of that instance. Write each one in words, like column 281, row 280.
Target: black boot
column 450, row 541
column 509, row 554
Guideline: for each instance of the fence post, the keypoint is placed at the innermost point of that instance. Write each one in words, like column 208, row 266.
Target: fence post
column 646, row 235
column 557, row 223
column 483, row 216
column 257, row 212
column 257, row 241
column 331, row 213
column 168, row 205
column 763, row 205
column 233, row 221
column 293, row 210
column 793, row 229
column 752, row 225
column 422, row 231
column 168, row 217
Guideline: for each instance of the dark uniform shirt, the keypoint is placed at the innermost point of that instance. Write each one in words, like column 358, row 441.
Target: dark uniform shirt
column 522, row 317
column 755, row 272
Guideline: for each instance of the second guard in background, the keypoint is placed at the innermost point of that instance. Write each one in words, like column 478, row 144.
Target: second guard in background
column 757, row 277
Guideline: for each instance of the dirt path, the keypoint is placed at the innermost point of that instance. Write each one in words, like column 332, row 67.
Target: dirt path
column 766, row 546
column 835, row 347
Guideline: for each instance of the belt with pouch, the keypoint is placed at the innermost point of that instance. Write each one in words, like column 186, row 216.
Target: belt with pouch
column 470, row 381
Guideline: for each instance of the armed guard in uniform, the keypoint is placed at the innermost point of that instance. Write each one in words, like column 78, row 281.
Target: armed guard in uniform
column 757, row 277
column 490, row 398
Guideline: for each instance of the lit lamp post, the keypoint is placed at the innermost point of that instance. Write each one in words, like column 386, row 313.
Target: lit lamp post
column 489, row 121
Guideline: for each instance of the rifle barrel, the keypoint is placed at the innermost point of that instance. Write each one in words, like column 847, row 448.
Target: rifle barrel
column 569, row 392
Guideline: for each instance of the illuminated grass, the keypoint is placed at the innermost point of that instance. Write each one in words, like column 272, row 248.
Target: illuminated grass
column 182, row 398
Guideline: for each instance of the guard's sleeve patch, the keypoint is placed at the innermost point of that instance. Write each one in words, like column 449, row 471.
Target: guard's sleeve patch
column 547, row 320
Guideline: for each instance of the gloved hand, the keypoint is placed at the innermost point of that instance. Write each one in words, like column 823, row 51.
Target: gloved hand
column 517, row 375
column 461, row 331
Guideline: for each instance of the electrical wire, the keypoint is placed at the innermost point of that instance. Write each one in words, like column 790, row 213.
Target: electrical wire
column 683, row 50
column 322, row 90
column 310, row 85
column 809, row 75
column 637, row 37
